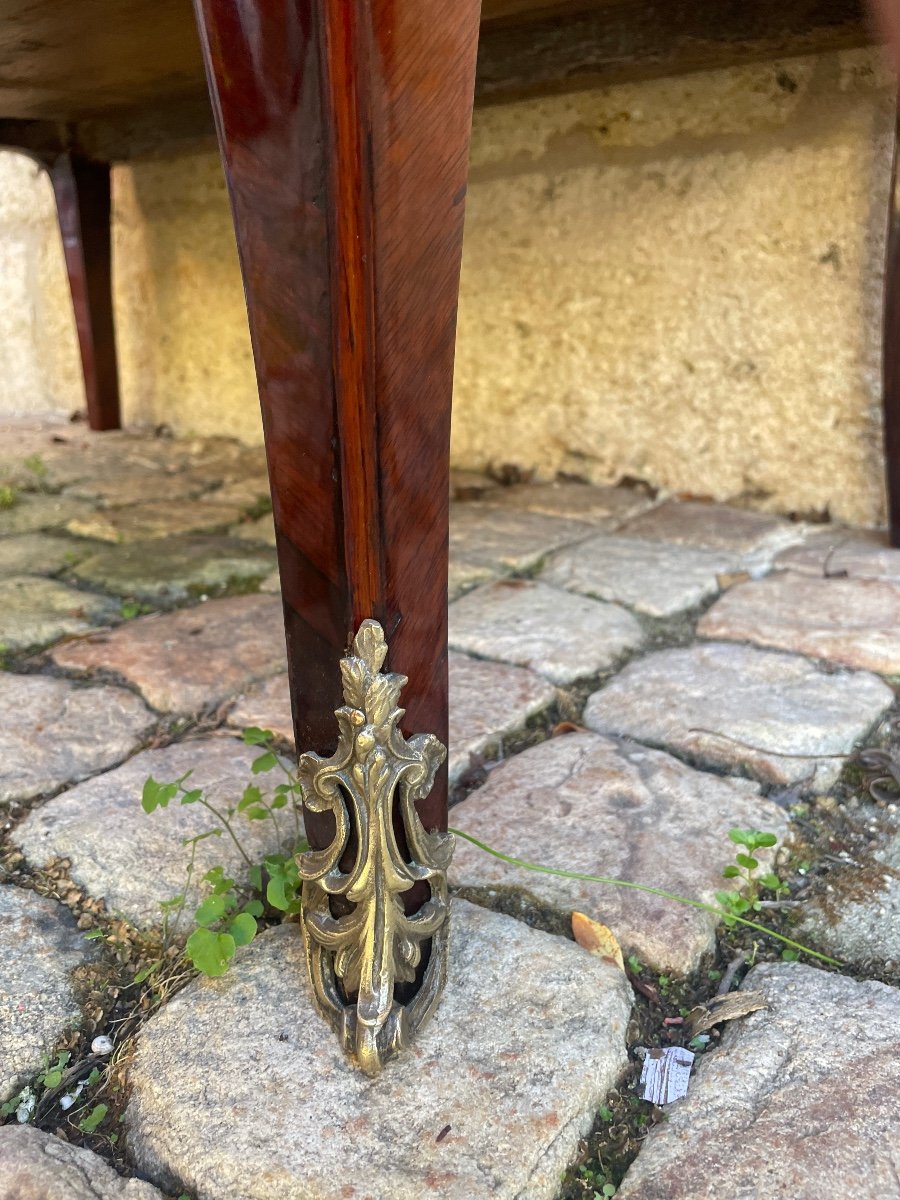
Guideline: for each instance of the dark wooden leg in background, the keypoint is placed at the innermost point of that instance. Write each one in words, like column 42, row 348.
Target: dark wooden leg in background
column 890, row 353
column 82, row 195
column 344, row 128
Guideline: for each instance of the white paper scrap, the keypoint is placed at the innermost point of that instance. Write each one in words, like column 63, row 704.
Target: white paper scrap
column 665, row 1074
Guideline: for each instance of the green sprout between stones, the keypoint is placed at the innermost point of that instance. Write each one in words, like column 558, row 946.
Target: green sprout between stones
column 228, row 915
column 746, row 868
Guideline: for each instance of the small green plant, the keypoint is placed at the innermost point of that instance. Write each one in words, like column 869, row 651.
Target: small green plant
column 228, row 915
column 94, row 1118
column 51, row 1076
column 746, row 868
column 8, row 495
column 129, row 609
column 36, row 466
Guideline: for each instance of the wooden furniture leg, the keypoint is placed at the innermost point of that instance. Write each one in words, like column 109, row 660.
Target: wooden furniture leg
column 82, row 192
column 891, row 352
column 344, row 129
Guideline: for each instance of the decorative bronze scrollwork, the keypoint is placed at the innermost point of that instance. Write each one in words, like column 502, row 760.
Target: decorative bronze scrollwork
column 360, row 941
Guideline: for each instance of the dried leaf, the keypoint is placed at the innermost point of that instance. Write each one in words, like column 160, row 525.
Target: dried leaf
column 729, row 578
column 724, row 1008
column 598, row 939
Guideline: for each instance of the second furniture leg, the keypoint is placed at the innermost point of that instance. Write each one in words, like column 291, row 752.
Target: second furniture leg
column 82, row 191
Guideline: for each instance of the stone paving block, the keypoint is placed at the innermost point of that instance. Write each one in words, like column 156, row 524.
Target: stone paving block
column 190, row 660
column 470, row 485
column 855, row 622
column 40, row 947
column 756, row 537
column 261, row 530
column 38, row 1166
column 35, row 611
column 39, row 554
column 267, row 706
column 653, row 577
column 741, row 708
column 239, row 1088
column 798, row 1103
column 132, row 484
column 463, row 576
column 174, row 569
column 855, row 913
column 488, row 701
column 55, row 731
column 32, row 513
column 558, row 635
column 607, row 507
column 507, row 540
column 588, row 804
column 836, row 551
column 271, row 585
column 134, row 860
column 157, row 519
column 247, row 492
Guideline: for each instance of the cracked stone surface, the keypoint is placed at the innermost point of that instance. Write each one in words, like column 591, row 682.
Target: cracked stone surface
column 55, row 731
column 132, row 859
column 607, row 507
column 488, row 701
column 855, row 622
column 516, row 1072
column 463, row 576
column 599, row 807
column 40, row 947
column 508, row 540
column 39, row 554
column 38, row 1166
column 756, row 537
column 178, row 568
column 35, row 611
column 187, row 661
column 857, row 553
column 799, row 1103
column 267, row 706
column 32, row 513
column 560, row 636
column 743, row 709
column 160, row 519
column 652, row 577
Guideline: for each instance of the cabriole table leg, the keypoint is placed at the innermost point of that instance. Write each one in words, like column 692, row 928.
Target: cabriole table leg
column 344, row 129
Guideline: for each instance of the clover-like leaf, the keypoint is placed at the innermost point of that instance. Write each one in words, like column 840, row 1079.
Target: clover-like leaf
column 210, row 952
column 243, row 929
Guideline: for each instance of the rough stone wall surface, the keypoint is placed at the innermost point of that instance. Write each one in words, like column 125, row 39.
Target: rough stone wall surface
column 678, row 279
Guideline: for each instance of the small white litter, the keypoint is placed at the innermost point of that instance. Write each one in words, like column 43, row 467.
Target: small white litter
column 665, row 1074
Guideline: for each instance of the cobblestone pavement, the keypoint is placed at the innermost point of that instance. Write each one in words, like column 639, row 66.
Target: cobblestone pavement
column 630, row 677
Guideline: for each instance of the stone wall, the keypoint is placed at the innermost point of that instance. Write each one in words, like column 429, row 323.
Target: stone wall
column 678, row 280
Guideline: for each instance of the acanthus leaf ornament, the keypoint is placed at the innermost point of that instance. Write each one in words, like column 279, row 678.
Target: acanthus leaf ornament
column 360, row 941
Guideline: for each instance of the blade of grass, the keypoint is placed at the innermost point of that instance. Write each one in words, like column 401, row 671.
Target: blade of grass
column 642, row 887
